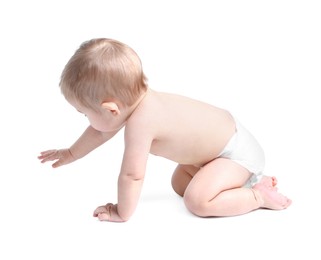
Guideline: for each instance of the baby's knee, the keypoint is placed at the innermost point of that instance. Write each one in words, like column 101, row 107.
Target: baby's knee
column 180, row 180
column 195, row 205
column 177, row 186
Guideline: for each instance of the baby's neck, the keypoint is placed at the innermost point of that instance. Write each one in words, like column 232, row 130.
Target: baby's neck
column 130, row 110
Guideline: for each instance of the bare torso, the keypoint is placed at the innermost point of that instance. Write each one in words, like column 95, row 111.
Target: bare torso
column 184, row 130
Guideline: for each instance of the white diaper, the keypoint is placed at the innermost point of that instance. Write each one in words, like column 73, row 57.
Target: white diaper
column 244, row 149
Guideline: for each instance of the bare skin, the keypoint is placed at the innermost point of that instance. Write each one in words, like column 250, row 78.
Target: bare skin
column 270, row 198
column 188, row 181
column 183, row 130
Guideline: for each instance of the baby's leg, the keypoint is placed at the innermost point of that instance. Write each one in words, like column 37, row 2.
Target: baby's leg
column 217, row 190
column 182, row 176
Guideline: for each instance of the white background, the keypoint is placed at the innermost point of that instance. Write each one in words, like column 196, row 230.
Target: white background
column 259, row 59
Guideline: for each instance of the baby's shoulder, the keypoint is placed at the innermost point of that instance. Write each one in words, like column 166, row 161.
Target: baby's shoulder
column 142, row 118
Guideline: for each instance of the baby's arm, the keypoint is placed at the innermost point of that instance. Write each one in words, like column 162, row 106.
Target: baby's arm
column 87, row 142
column 130, row 179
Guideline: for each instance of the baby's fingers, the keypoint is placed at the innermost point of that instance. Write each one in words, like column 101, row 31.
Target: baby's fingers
column 100, row 210
column 103, row 217
column 48, row 155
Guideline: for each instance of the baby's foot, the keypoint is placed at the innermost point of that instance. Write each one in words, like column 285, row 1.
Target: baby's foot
column 268, row 197
column 270, row 182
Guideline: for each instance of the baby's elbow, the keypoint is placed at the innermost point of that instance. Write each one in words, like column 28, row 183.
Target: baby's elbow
column 134, row 176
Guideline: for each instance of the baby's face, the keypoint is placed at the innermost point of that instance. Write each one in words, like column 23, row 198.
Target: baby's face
column 103, row 120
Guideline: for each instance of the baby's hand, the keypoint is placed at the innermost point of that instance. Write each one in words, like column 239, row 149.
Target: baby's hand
column 61, row 157
column 108, row 213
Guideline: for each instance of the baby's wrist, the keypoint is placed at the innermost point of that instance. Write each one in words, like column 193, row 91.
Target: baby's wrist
column 72, row 154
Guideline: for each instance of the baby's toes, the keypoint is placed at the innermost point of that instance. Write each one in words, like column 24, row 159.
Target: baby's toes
column 287, row 203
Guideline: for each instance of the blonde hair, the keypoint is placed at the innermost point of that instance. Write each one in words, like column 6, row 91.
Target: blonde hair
column 103, row 70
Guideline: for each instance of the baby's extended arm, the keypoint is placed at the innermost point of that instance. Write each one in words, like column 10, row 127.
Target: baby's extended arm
column 87, row 142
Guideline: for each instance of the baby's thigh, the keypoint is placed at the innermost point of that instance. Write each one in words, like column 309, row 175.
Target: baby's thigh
column 218, row 175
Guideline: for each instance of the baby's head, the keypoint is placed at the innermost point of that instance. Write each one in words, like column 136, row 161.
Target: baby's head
column 103, row 70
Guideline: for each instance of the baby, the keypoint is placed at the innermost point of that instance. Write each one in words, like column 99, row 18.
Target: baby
column 220, row 163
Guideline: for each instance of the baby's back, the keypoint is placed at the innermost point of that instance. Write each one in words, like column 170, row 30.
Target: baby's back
column 186, row 131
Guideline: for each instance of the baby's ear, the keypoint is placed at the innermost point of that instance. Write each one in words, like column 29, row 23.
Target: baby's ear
column 112, row 107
